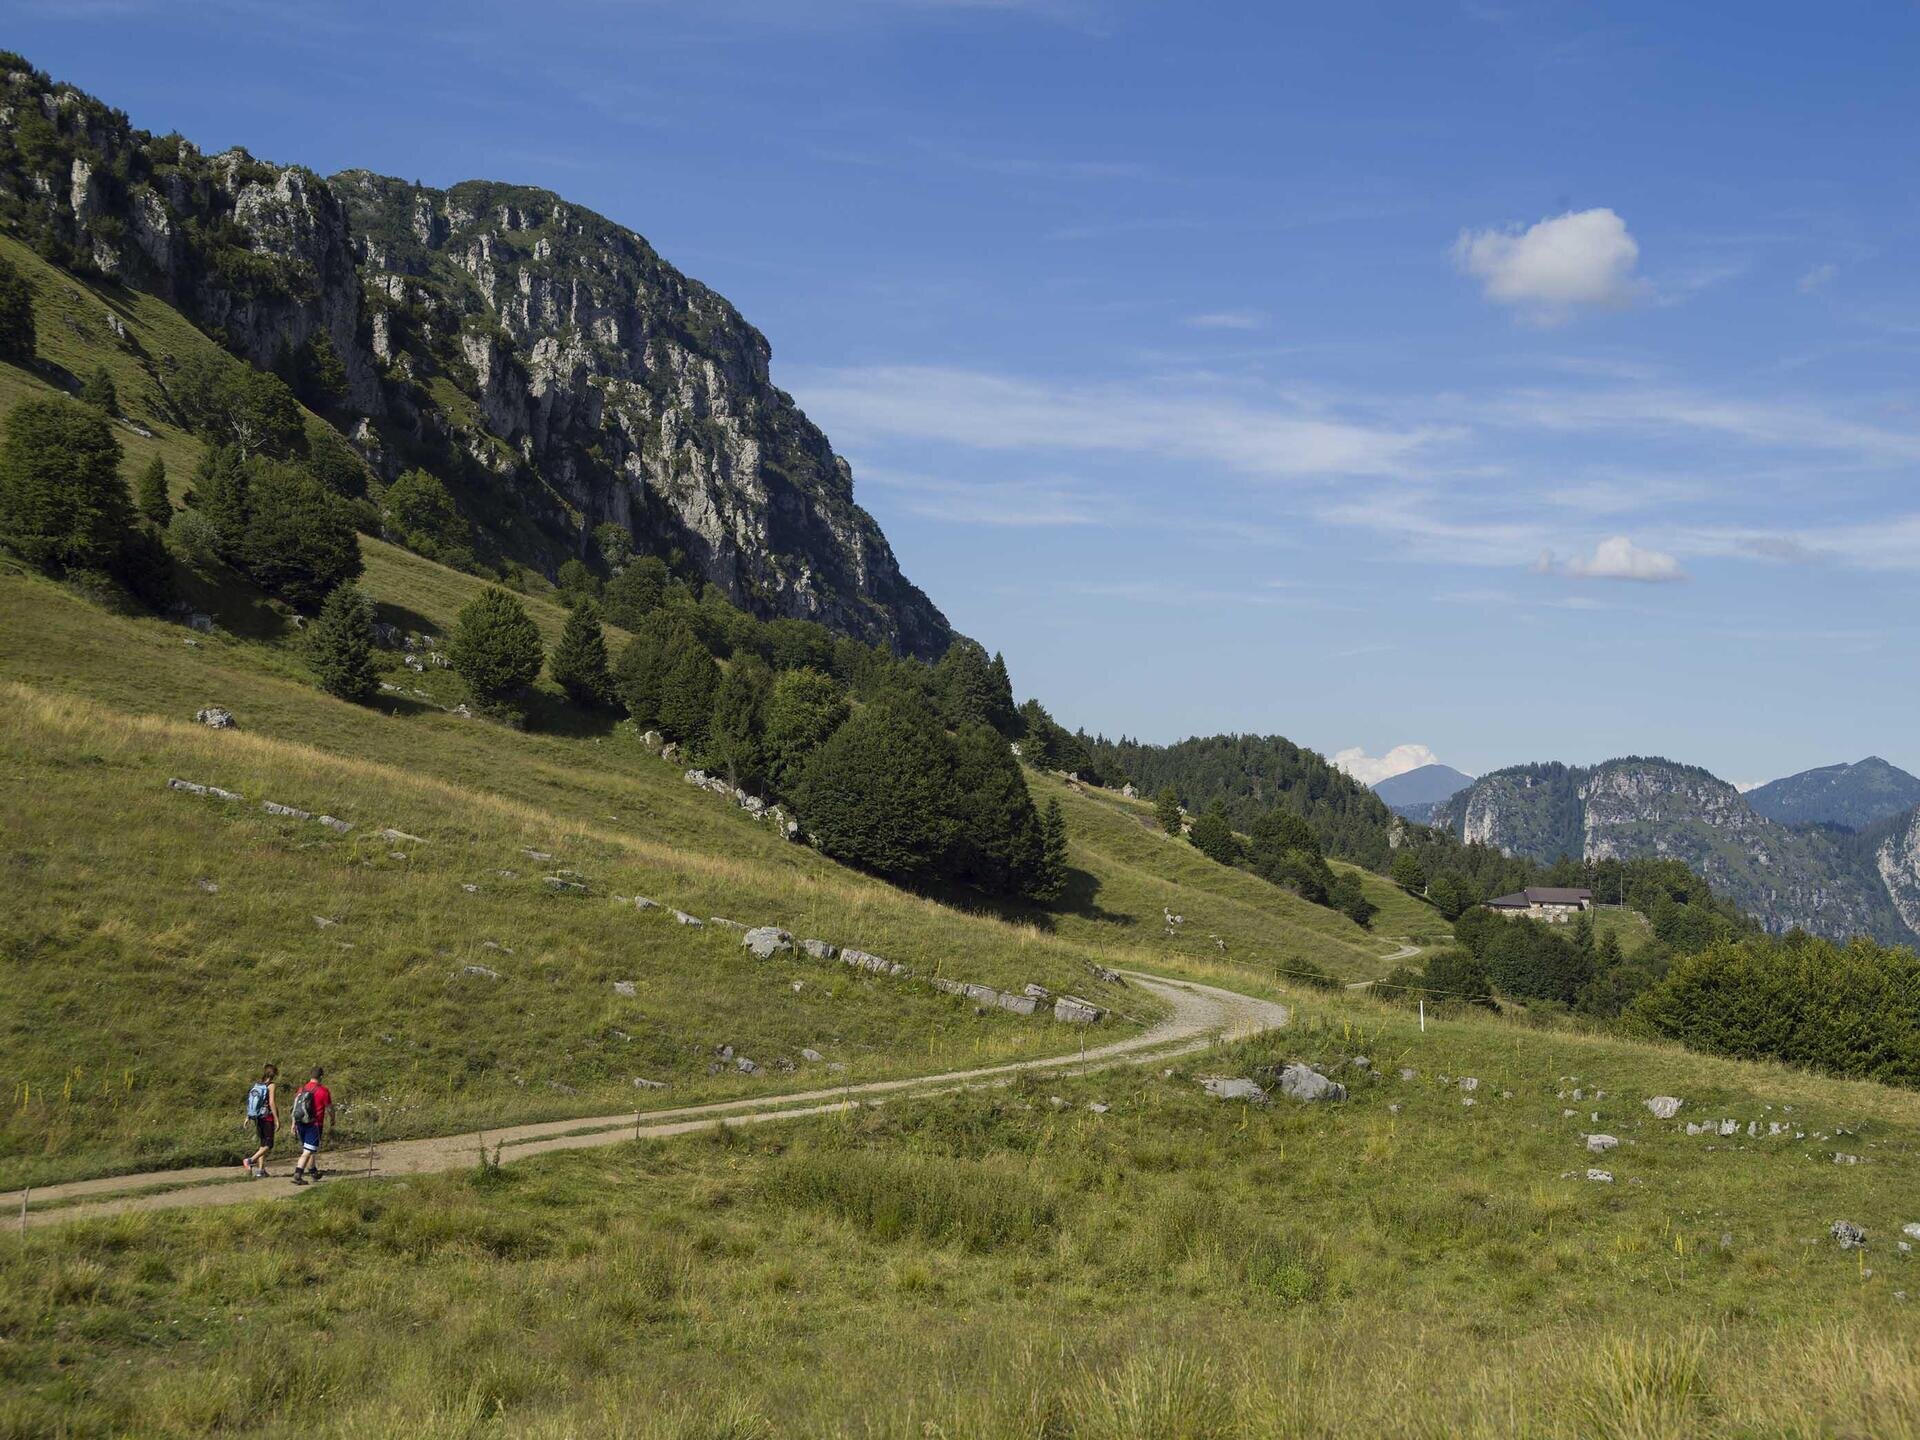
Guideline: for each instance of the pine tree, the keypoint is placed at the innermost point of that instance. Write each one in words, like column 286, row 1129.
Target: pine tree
column 1002, row 714
column 220, row 492
column 964, row 678
column 340, row 646
column 736, row 731
column 803, row 710
column 637, row 676
column 299, row 542
column 1166, row 809
column 16, row 315
column 998, row 844
column 99, row 391
column 578, row 663
column 495, row 647
column 1408, row 873
column 688, row 678
column 63, row 504
column 151, row 493
column 1213, row 837
column 877, row 793
column 1050, row 880
column 637, row 591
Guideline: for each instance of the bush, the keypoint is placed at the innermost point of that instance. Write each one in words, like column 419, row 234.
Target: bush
column 190, row 535
column 340, row 646
column 495, row 647
column 1851, row 1010
column 803, row 709
column 99, row 392
column 1213, row 837
column 228, row 402
column 419, row 514
column 16, row 315
column 63, row 504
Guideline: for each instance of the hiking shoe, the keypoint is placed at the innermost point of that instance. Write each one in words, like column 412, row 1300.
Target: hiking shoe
column 313, row 1174
column 298, row 1178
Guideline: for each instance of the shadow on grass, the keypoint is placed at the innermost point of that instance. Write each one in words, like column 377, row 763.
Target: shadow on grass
column 407, row 621
column 1079, row 898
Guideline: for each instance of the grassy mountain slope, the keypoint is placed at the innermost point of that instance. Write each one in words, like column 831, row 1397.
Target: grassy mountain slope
column 1001, row 1265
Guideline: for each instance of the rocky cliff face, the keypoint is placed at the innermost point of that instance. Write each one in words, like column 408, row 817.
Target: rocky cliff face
column 1640, row 807
column 546, row 362
column 1896, row 859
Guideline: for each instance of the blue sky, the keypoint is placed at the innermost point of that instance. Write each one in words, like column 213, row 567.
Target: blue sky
column 1524, row 382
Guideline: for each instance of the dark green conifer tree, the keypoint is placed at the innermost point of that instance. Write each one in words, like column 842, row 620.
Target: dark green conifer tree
column 578, row 663
column 688, row 678
column 736, row 731
column 637, row 591
column 151, row 493
column 998, row 844
column 340, row 646
column 803, row 709
column 16, row 315
column 299, row 543
column 877, row 793
column 63, row 505
column 1002, row 713
column 1213, row 837
column 495, row 647
column 1050, row 881
column 1166, row 809
column 1408, row 873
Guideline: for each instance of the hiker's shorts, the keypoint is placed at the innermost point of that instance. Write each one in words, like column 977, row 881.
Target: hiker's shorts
column 263, row 1127
column 309, row 1137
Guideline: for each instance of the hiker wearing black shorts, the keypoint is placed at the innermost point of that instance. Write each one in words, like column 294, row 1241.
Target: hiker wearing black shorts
column 264, row 1112
column 312, row 1104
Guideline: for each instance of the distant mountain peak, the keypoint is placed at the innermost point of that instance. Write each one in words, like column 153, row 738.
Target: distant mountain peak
column 1850, row 796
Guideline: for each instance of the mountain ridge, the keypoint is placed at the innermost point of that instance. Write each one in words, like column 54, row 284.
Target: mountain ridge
column 1853, row 796
column 545, row 362
column 1648, row 806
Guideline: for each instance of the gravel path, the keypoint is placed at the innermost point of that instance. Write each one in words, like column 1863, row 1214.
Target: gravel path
column 1198, row 1016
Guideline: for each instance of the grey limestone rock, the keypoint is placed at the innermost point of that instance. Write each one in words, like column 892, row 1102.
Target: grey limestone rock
column 1298, row 1082
column 1224, row 1087
column 820, row 949
column 1071, row 1010
column 215, row 717
column 1664, row 1107
column 766, row 941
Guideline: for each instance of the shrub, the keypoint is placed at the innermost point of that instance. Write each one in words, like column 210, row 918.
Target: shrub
column 1213, row 837
column 190, row 535
column 495, row 647
column 419, row 514
column 803, row 709
column 99, row 392
column 63, row 504
column 340, row 646
column 1851, row 1010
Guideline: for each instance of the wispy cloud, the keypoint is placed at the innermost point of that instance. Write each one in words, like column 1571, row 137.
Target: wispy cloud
column 1818, row 278
column 1252, row 432
column 1227, row 320
column 1014, row 504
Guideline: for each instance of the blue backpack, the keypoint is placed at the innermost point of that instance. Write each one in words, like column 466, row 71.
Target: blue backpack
column 257, row 1099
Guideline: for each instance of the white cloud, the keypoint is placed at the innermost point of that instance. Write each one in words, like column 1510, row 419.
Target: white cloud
column 1582, row 258
column 1618, row 558
column 1372, row 769
column 1253, row 434
column 1227, row 320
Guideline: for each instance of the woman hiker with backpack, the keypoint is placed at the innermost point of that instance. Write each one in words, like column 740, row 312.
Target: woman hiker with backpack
column 312, row 1103
column 265, row 1115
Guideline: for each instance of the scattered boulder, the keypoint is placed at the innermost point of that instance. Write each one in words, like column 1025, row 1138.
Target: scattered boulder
column 1912, row 1231
column 215, row 717
column 1018, row 1004
column 681, row 917
column 1111, row 977
column 481, row 971
column 1038, row 992
column 535, row 854
column 1361, row 1062
column 862, row 960
column 730, row 924
column 625, row 987
column 1071, row 1010
column 1600, row 1177
column 767, row 941
column 746, row 1066
column 641, row 902
column 200, row 622
column 469, row 887
column 398, row 835
column 334, row 823
column 1849, row 1235
column 1469, row 1083
column 1223, row 1087
column 1407, row 1072
column 273, row 807
column 195, row 789
column 641, row 1083
column 1600, row 1144
column 1840, row 1158
column 564, row 884
column 1098, row 1107
column 808, row 1053
column 212, row 887
column 1297, row 1082
column 820, row 949
column 1664, row 1107
column 325, row 922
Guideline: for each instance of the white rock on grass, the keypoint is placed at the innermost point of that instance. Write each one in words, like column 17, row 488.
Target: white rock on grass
column 1912, row 1232
column 681, row 917
column 1600, row 1144
column 820, row 949
column 641, row 1083
column 641, row 902
column 481, row 971
column 625, row 987
column 1298, row 1082
column 1071, row 1010
column 1664, row 1107
column 808, row 1053
column 1224, row 1087
column 1469, row 1083
column 1600, row 1177
column 766, row 941
column 215, row 717
column 1849, row 1235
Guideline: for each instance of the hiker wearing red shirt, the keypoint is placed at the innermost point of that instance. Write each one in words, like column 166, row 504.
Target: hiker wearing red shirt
column 312, row 1104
